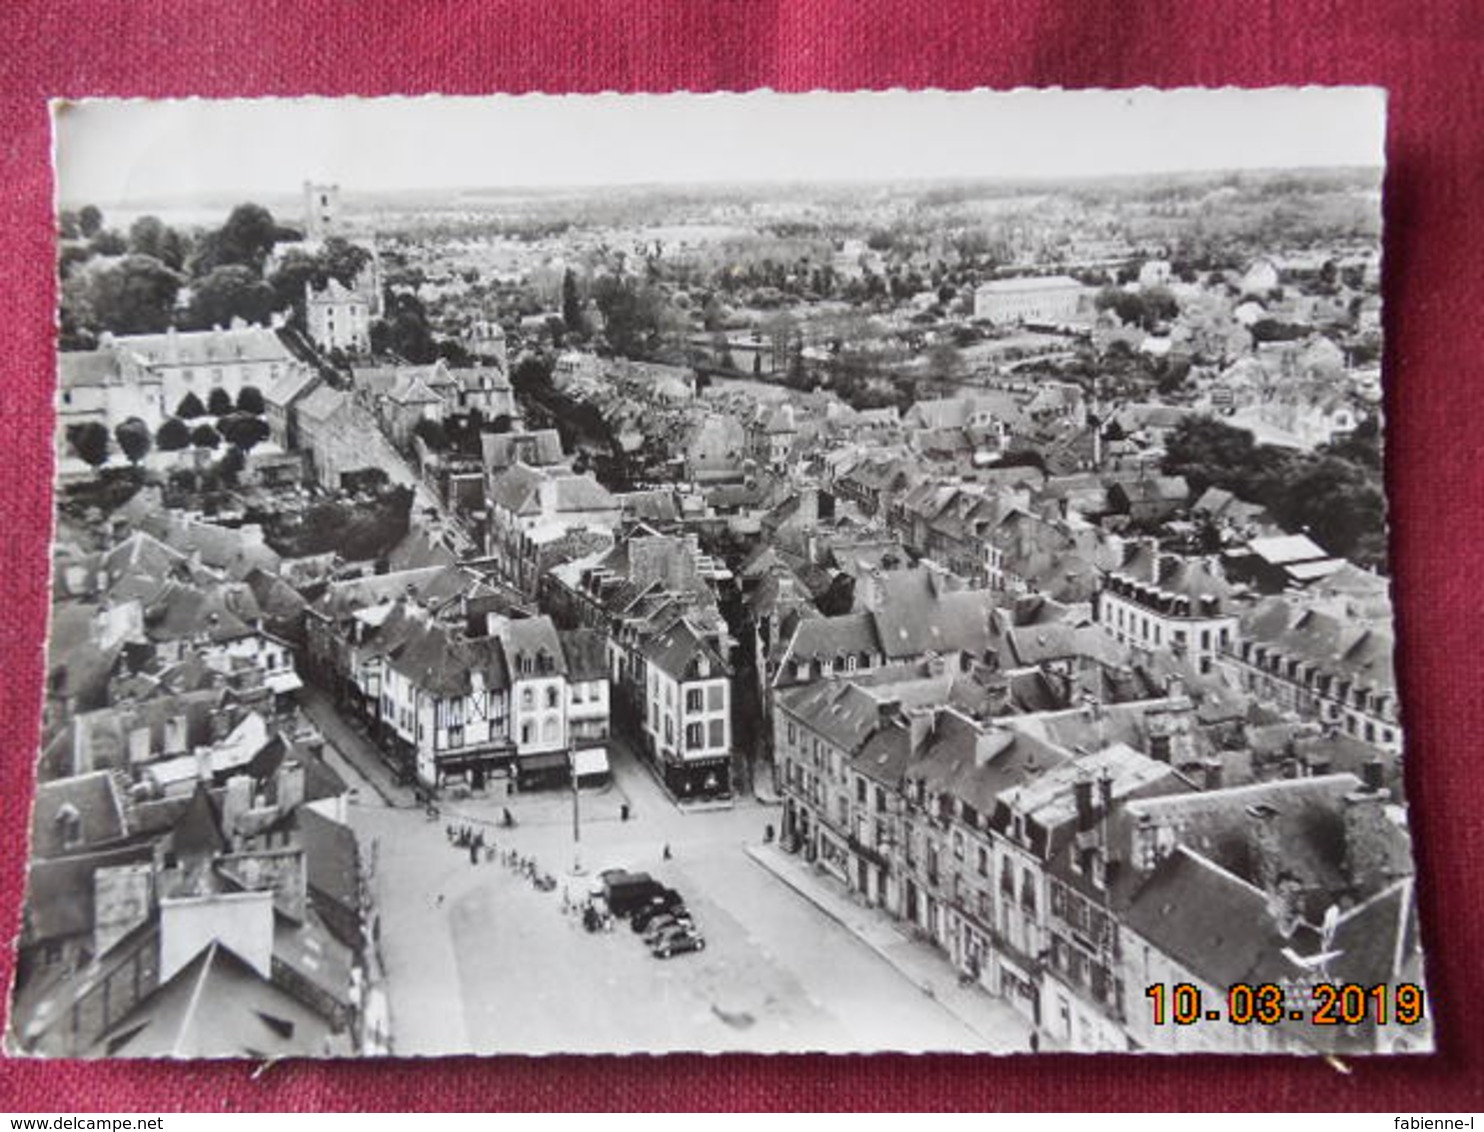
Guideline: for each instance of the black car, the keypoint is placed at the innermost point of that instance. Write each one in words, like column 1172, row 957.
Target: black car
column 664, row 924
column 665, row 901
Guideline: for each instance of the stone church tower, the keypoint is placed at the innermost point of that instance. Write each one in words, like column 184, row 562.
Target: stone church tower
column 321, row 210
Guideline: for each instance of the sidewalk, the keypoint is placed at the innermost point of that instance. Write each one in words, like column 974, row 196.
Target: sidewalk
column 1003, row 1030
column 353, row 746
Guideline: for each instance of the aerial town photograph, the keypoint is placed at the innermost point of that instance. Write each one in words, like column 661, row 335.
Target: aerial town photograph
column 758, row 573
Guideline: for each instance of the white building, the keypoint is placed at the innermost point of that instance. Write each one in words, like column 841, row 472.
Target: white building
column 1161, row 602
column 687, row 716
column 337, row 317
column 1029, row 298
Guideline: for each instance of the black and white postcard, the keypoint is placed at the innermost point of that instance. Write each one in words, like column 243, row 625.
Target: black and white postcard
column 824, row 572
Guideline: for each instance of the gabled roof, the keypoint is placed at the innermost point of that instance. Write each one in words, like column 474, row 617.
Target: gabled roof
column 198, row 831
column 216, row 1006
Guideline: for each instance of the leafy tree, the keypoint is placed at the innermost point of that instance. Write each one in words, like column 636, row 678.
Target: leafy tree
column 133, row 439
column 108, row 243
column 132, row 295
column 250, row 400
column 67, row 226
column 204, row 436
column 90, row 441
column 219, row 403
column 500, row 424
column 230, row 292
column 243, row 430
column 1207, row 451
column 190, row 408
column 230, row 466
column 173, row 435
column 246, row 240
column 531, row 374
column 150, row 236
column 431, row 433
column 71, row 256
column 341, row 260
column 146, row 235
column 453, row 352
column 405, row 330
column 89, row 221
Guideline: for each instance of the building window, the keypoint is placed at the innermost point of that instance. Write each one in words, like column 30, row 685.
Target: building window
column 694, row 701
column 695, row 736
column 716, row 697
column 718, row 733
column 527, row 699
column 552, row 697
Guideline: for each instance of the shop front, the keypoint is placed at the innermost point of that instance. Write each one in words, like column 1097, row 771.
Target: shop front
column 699, row 780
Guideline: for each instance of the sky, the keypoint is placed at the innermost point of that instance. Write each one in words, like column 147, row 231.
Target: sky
column 138, row 151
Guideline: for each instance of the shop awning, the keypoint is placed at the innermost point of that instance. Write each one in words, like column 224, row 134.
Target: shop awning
column 591, row 760
column 546, row 761
column 281, row 682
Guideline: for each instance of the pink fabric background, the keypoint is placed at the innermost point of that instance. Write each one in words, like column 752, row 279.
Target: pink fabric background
column 1430, row 56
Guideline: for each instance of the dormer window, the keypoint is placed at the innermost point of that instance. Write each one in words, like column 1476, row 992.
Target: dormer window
column 69, row 826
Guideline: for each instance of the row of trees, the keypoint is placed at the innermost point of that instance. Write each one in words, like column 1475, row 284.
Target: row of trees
column 93, row 444
column 241, row 425
column 1336, row 494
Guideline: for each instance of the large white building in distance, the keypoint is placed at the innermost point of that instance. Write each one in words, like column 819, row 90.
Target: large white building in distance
column 1029, row 298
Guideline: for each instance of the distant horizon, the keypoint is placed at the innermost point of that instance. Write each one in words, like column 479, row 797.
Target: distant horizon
column 131, row 152
column 352, row 194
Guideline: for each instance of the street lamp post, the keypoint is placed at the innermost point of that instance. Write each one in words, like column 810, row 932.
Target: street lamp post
column 576, row 816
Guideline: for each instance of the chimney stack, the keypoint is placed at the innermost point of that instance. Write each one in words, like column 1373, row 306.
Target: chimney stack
column 1082, row 792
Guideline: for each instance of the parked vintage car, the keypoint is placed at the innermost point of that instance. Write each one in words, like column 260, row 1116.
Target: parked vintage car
column 678, row 941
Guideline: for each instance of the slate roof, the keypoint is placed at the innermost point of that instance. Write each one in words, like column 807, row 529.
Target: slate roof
column 586, row 652
column 534, row 639
column 430, row 584
column 915, row 620
column 198, row 830
column 321, row 404
column 1186, row 577
column 331, row 859
column 1346, row 648
column 1309, row 824
column 836, row 637
column 77, row 369
column 1212, row 923
column 202, row 347
column 93, row 798
column 59, row 892
column 540, row 448
column 678, row 650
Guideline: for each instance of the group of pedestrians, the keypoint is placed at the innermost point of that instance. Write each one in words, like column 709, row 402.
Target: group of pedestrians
column 467, row 837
